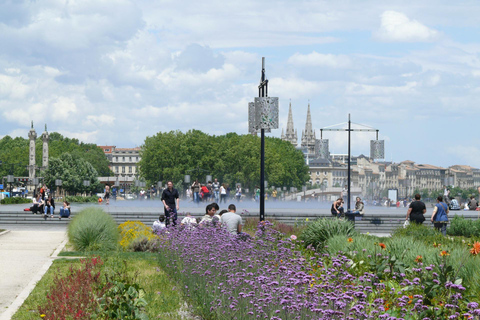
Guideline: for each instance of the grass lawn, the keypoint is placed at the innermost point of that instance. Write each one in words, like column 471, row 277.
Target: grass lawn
column 1, row 230
column 163, row 297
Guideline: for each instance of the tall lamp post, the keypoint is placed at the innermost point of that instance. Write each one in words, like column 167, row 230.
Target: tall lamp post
column 263, row 115
column 58, row 183
column 376, row 150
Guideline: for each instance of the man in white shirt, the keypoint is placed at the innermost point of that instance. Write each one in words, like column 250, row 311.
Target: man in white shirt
column 232, row 221
column 216, row 190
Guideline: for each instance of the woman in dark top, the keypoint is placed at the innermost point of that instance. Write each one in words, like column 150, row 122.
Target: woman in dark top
column 337, row 208
column 416, row 211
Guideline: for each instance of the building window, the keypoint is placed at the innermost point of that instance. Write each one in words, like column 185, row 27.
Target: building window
column 116, row 169
column 107, row 150
column 123, row 169
column 137, row 159
column 123, row 159
column 130, row 159
column 129, row 169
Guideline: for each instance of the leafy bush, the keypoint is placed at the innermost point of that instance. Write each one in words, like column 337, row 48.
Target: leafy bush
column 318, row 232
column 74, row 296
column 252, row 223
column 417, row 231
column 81, row 199
column 459, row 226
column 133, row 230
column 15, row 200
column 93, row 230
column 144, row 245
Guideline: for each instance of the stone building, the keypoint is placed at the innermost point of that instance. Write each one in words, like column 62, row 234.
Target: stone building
column 122, row 161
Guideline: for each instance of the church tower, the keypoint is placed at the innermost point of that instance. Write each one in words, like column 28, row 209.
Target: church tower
column 291, row 134
column 45, row 148
column 32, row 135
column 308, row 135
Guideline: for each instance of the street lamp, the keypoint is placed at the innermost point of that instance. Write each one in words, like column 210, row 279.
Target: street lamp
column 86, row 184
column 10, row 180
column 58, row 183
column 209, row 178
column 304, row 193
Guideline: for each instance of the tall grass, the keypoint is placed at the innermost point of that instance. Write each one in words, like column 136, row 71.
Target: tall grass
column 319, row 231
column 92, row 229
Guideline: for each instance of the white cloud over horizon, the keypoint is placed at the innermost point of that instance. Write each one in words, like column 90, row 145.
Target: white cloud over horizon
column 114, row 72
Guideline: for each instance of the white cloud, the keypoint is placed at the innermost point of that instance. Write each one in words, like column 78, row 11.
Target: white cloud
column 397, row 27
column 316, row 59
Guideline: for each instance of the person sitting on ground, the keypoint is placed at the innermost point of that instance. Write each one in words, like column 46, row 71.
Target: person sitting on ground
column 222, row 212
column 359, row 207
column 216, row 217
column 209, row 213
column 472, row 204
column 159, row 225
column 38, row 204
column 49, row 207
column 416, row 211
column 188, row 220
column 337, row 208
column 439, row 216
column 65, row 211
column 232, row 221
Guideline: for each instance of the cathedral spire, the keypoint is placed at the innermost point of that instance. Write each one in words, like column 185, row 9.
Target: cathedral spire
column 290, row 133
column 308, row 135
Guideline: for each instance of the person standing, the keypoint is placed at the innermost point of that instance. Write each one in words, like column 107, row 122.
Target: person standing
column 416, row 211
column 238, row 193
column 231, row 220
column 439, row 216
column 196, row 191
column 171, row 203
column 274, row 195
column 216, row 190
column 223, row 193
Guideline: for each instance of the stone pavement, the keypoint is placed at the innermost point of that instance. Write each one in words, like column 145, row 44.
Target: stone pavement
column 26, row 253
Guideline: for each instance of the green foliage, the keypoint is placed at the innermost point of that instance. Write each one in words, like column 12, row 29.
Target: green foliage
column 418, row 231
column 81, row 199
column 15, row 151
column 231, row 158
column 72, row 171
column 15, row 200
column 459, row 226
column 319, row 231
column 92, row 229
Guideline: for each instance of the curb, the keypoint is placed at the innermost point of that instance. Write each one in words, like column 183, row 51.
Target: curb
column 20, row 299
column 4, row 232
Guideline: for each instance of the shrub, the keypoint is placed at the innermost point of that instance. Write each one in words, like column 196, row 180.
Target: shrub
column 318, row 232
column 417, row 231
column 144, row 245
column 133, row 230
column 81, row 199
column 93, row 230
column 15, row 200
column 459, row 226
column 74, row 296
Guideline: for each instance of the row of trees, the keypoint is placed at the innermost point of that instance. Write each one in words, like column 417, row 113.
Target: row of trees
column 16, row 152
column 231, row 158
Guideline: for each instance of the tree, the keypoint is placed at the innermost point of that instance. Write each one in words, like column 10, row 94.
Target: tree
column 231, row 158
column 72, row 171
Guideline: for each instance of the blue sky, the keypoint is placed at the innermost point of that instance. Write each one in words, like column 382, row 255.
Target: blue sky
column 114, row 72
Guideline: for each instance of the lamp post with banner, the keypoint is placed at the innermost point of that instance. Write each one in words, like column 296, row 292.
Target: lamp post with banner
column 262, row 115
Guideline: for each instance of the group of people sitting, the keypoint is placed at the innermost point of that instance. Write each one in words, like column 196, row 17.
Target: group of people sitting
column 47, row 207
column 227, row 218
column 338, row 210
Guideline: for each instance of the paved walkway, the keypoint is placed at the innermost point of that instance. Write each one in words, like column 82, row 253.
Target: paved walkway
column 26, row 253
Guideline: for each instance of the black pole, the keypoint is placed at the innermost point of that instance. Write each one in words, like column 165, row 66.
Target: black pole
column 349, row 155
column 262, row 152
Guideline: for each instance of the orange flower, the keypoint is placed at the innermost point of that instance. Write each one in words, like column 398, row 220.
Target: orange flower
column 418, row 259
column 350, row 239
column 382, row 245
column 436, row 245
column 444, row 253
column 475, row 248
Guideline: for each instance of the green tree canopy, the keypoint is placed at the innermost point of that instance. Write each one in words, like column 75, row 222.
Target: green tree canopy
column 15, row 151
column 72, row 171
column 231, row 158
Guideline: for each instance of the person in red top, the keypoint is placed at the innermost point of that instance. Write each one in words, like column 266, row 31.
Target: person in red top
column 206, row 193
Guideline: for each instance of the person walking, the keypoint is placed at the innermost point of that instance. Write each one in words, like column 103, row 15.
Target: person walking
column 107, row 194
column 223, row 193
column 238, row 193
column 439, row 216
column 416, row 211
column 171, row 203
column 446, row 195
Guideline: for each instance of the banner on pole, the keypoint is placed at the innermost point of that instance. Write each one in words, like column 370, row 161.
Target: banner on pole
column 377, row 149
column 321, row 148
column 266, row 112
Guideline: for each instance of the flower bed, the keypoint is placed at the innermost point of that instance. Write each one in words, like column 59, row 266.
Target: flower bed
column 271, row 277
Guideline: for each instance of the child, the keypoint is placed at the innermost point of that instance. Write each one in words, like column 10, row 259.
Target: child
column 159, row 225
